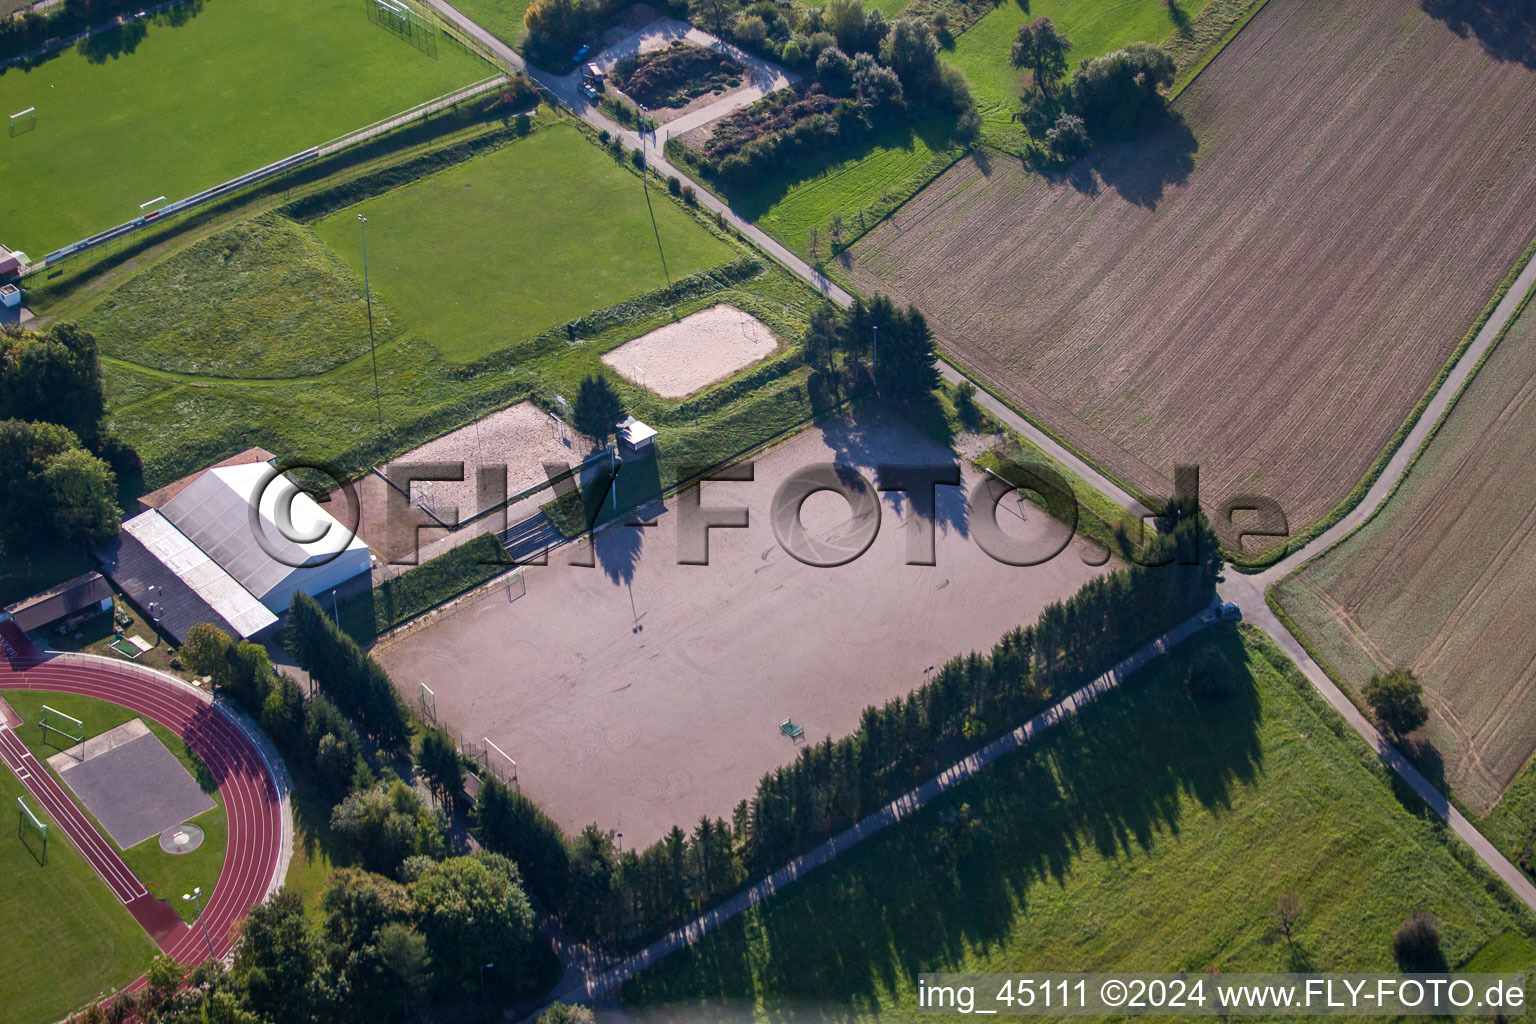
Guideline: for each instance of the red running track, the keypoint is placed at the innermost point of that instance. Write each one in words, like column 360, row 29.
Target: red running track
column 251, row 802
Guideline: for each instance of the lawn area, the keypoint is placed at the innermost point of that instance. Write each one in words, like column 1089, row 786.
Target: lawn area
column 1095, row 27
column 504, row 18
column 166, row 875
column 257, row 283
column 68, row 941
column 863, row 182
column 193, row 97
column 1151, row 832
column 183, row 311
column 518, row 241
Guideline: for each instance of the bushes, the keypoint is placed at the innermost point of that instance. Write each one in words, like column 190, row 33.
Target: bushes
column 1417, row 945
column 1068, row 138
column 1109, row 92
column 386, row 824
column 30, row 30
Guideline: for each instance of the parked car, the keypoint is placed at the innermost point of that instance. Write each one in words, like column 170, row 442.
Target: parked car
column 1224, row 612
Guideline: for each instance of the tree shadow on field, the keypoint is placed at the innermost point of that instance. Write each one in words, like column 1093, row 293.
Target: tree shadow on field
column 113, row 43
column 863, row 442
column 122, row 40
column 1505, row 28
column 1120, row 778
column 1140, row 169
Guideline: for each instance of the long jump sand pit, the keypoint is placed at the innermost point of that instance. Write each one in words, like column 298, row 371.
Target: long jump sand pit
column 694, row 352
column 641, row 693
column 521, row 437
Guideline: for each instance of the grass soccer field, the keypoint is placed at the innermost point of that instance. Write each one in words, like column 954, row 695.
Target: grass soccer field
column 1151, row 832
column 165, row 875
column 169, row 109
column 1441, row 581
column 515, row 242
column 68, row 941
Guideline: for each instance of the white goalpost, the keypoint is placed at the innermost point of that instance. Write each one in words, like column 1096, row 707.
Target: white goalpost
column 27, row 819
column 23, row 121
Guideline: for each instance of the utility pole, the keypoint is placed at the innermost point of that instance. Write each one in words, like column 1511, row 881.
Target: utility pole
column 645, row 181
column 373, row 345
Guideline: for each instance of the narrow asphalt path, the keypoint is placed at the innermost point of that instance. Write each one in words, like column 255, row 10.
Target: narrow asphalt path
column 587, row 985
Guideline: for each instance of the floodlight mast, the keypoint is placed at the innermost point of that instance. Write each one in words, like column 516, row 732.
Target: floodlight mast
column 373, row 345
column 193, row 898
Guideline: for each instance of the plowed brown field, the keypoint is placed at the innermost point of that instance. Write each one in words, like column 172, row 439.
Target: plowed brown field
column 1266, row 282
column 1443, row 580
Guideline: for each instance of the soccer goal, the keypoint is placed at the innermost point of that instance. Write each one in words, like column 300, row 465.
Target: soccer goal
column 23, row 121
column 28, row 821
column 428, row 701
column 406, row 21
column 517, row 584
column 68, row 726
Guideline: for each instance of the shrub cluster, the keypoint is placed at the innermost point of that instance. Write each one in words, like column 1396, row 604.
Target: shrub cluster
column 674, row 76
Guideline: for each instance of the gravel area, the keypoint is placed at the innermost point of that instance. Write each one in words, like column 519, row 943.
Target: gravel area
column 522, row 437
column 694, row 352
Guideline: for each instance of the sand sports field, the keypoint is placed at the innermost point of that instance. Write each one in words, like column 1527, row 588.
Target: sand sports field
column 694, row 352
column 521, row 437
column 1443, row 579
column 642, row 693
column 1266, row 283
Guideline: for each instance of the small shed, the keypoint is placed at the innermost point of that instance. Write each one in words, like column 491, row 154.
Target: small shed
column 70, row 601
column 635, row 438
column 10, row 296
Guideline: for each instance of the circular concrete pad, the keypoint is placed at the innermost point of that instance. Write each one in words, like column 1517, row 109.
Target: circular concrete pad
column 181, row 838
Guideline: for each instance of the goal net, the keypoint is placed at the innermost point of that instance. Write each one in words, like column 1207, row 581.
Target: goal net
column 23, row 121
column 67, row 726
column 27, row 821
column 406, row 21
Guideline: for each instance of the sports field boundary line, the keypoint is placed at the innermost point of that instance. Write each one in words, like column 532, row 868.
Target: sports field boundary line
column 896, row 810
column 277, row 768
column 271, row 170
column 249, row 787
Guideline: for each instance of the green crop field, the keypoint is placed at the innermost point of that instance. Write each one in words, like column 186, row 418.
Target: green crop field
column 170, row 109
column 1152, row 832
column 984, row 51
column 519, row 241
column 68, row 940
column 166, row 875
